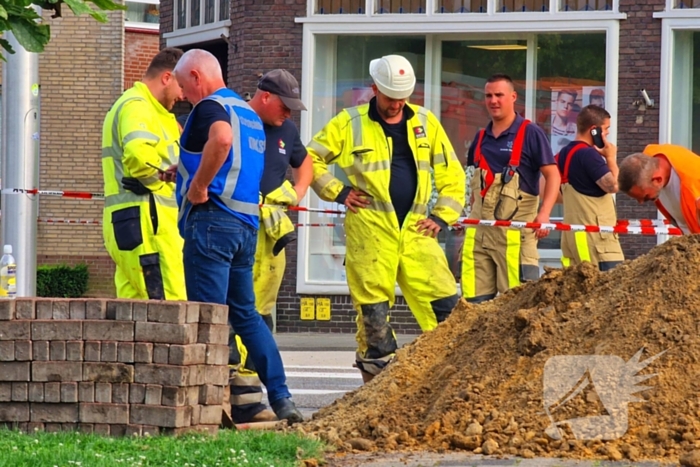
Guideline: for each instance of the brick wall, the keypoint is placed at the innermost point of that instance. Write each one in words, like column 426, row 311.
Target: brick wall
column 139, row 48
column 113, row 367
column 264, row 36
column 640, row 65
column 81, row 75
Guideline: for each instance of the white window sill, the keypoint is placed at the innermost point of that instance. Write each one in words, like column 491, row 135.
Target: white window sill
column 196, row 34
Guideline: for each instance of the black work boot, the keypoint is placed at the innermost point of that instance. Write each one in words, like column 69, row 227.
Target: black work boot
column 286, row 410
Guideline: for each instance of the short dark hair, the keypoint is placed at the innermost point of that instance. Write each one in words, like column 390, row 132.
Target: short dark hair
column 165, row 60
column 570, row 92
column 500, row 77
column 591, row 115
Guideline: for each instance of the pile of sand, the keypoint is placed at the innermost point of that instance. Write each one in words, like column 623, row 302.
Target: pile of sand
column 476, row 382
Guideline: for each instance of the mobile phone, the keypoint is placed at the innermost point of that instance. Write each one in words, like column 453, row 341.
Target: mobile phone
column 155, row 167
column 597, row 135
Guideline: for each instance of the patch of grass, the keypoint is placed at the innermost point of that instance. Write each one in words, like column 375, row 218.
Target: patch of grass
column 228, row 448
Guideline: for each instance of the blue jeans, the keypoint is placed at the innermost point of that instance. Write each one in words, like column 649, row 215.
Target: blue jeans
column 219, row 253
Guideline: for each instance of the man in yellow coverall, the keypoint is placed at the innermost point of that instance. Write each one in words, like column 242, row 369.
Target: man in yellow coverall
column 391, row 152
column 140, row 136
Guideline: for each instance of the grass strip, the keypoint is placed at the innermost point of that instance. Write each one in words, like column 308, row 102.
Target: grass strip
column 228, row 448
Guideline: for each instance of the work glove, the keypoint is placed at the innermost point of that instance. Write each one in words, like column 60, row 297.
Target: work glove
column 135, row 186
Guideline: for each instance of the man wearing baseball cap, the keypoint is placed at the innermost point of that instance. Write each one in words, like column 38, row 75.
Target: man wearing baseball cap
column 391, row 152
column 277, row 95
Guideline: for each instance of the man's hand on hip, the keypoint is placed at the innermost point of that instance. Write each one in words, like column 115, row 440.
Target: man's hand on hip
column 357, row 199
column 428, row 227
column 197, row 195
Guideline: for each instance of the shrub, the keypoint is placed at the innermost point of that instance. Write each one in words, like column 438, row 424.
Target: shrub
column 62, row 281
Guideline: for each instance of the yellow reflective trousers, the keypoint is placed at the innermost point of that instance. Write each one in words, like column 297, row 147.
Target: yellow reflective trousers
column 495, row 259
column 140, row 231
column 379, row 251
column 602, row 249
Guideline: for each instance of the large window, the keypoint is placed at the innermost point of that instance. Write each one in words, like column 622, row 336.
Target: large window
column 451, row 72
column 342, row 80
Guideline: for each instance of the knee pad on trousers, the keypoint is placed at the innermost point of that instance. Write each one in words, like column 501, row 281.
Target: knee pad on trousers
column 442, row 307
column 378, row 334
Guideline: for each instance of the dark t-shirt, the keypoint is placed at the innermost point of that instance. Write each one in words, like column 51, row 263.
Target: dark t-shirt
column 536, row 153
column 283, row 148
column 585, row 168
column 403, row 180
column 203, row 116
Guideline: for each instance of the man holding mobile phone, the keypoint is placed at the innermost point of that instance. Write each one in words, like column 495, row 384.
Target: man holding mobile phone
column 588, row 167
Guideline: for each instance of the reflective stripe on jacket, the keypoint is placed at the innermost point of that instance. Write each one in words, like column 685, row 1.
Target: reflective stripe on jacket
column 274, row 219
column 359, row 146
column 138, row 131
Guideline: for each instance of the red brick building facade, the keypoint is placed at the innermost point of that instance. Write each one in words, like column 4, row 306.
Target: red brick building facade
column 620, row 46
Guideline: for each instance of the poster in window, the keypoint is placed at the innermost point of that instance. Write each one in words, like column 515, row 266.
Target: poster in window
column 566, row 104
column 594, row 95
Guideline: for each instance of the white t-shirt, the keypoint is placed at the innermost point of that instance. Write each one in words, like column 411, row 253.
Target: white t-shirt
column 670, row 199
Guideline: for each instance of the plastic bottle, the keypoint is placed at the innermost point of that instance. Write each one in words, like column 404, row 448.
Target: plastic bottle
column 8, row 274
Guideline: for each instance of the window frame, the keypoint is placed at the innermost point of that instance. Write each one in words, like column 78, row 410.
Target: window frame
column 142, row 24
column 200, row 33
column 491, row 13
column 672, row 20
column 436, row 31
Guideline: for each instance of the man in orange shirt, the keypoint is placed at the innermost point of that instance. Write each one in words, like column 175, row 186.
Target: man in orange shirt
column 667, row 175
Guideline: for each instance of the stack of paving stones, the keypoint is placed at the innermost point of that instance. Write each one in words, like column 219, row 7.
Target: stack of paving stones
column 112, row 367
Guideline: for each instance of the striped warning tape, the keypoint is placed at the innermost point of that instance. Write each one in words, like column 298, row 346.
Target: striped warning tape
column 88, row 195
column 560, row 226
column 643, row 227
column 631, row 227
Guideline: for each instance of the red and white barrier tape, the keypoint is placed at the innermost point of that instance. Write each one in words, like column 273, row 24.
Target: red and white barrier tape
column 560, row 226
column 643, row 227
column 63, row 194
column 632, row 227
column 88, row 195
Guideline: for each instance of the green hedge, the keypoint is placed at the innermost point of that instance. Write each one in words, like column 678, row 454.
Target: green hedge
column 62, row 281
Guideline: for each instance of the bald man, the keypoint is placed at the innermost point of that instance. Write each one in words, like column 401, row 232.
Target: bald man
column 218, row 182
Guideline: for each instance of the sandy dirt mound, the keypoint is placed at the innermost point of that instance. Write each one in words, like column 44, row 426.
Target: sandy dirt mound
column 476, row 382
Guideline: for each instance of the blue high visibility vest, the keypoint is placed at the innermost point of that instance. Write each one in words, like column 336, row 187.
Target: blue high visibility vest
column 236, row 186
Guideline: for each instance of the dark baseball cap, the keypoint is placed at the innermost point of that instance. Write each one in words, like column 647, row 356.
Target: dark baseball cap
column 283, row 84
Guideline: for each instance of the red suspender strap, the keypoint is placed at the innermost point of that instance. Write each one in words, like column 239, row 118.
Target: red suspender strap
column 569, row 156
column 516, row 152
column 518, row 144
column 480, row 162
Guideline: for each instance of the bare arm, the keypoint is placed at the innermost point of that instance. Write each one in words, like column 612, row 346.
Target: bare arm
column 552, row 181
column 213, row 157
column 608, row 183
column 303, row 176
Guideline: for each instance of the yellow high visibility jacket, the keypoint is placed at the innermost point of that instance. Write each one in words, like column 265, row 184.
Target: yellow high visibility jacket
column 138, row 131
column 359, row 146
column 140, row 231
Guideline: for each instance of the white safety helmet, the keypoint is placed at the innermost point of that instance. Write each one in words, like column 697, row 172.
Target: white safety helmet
column 393, row 75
